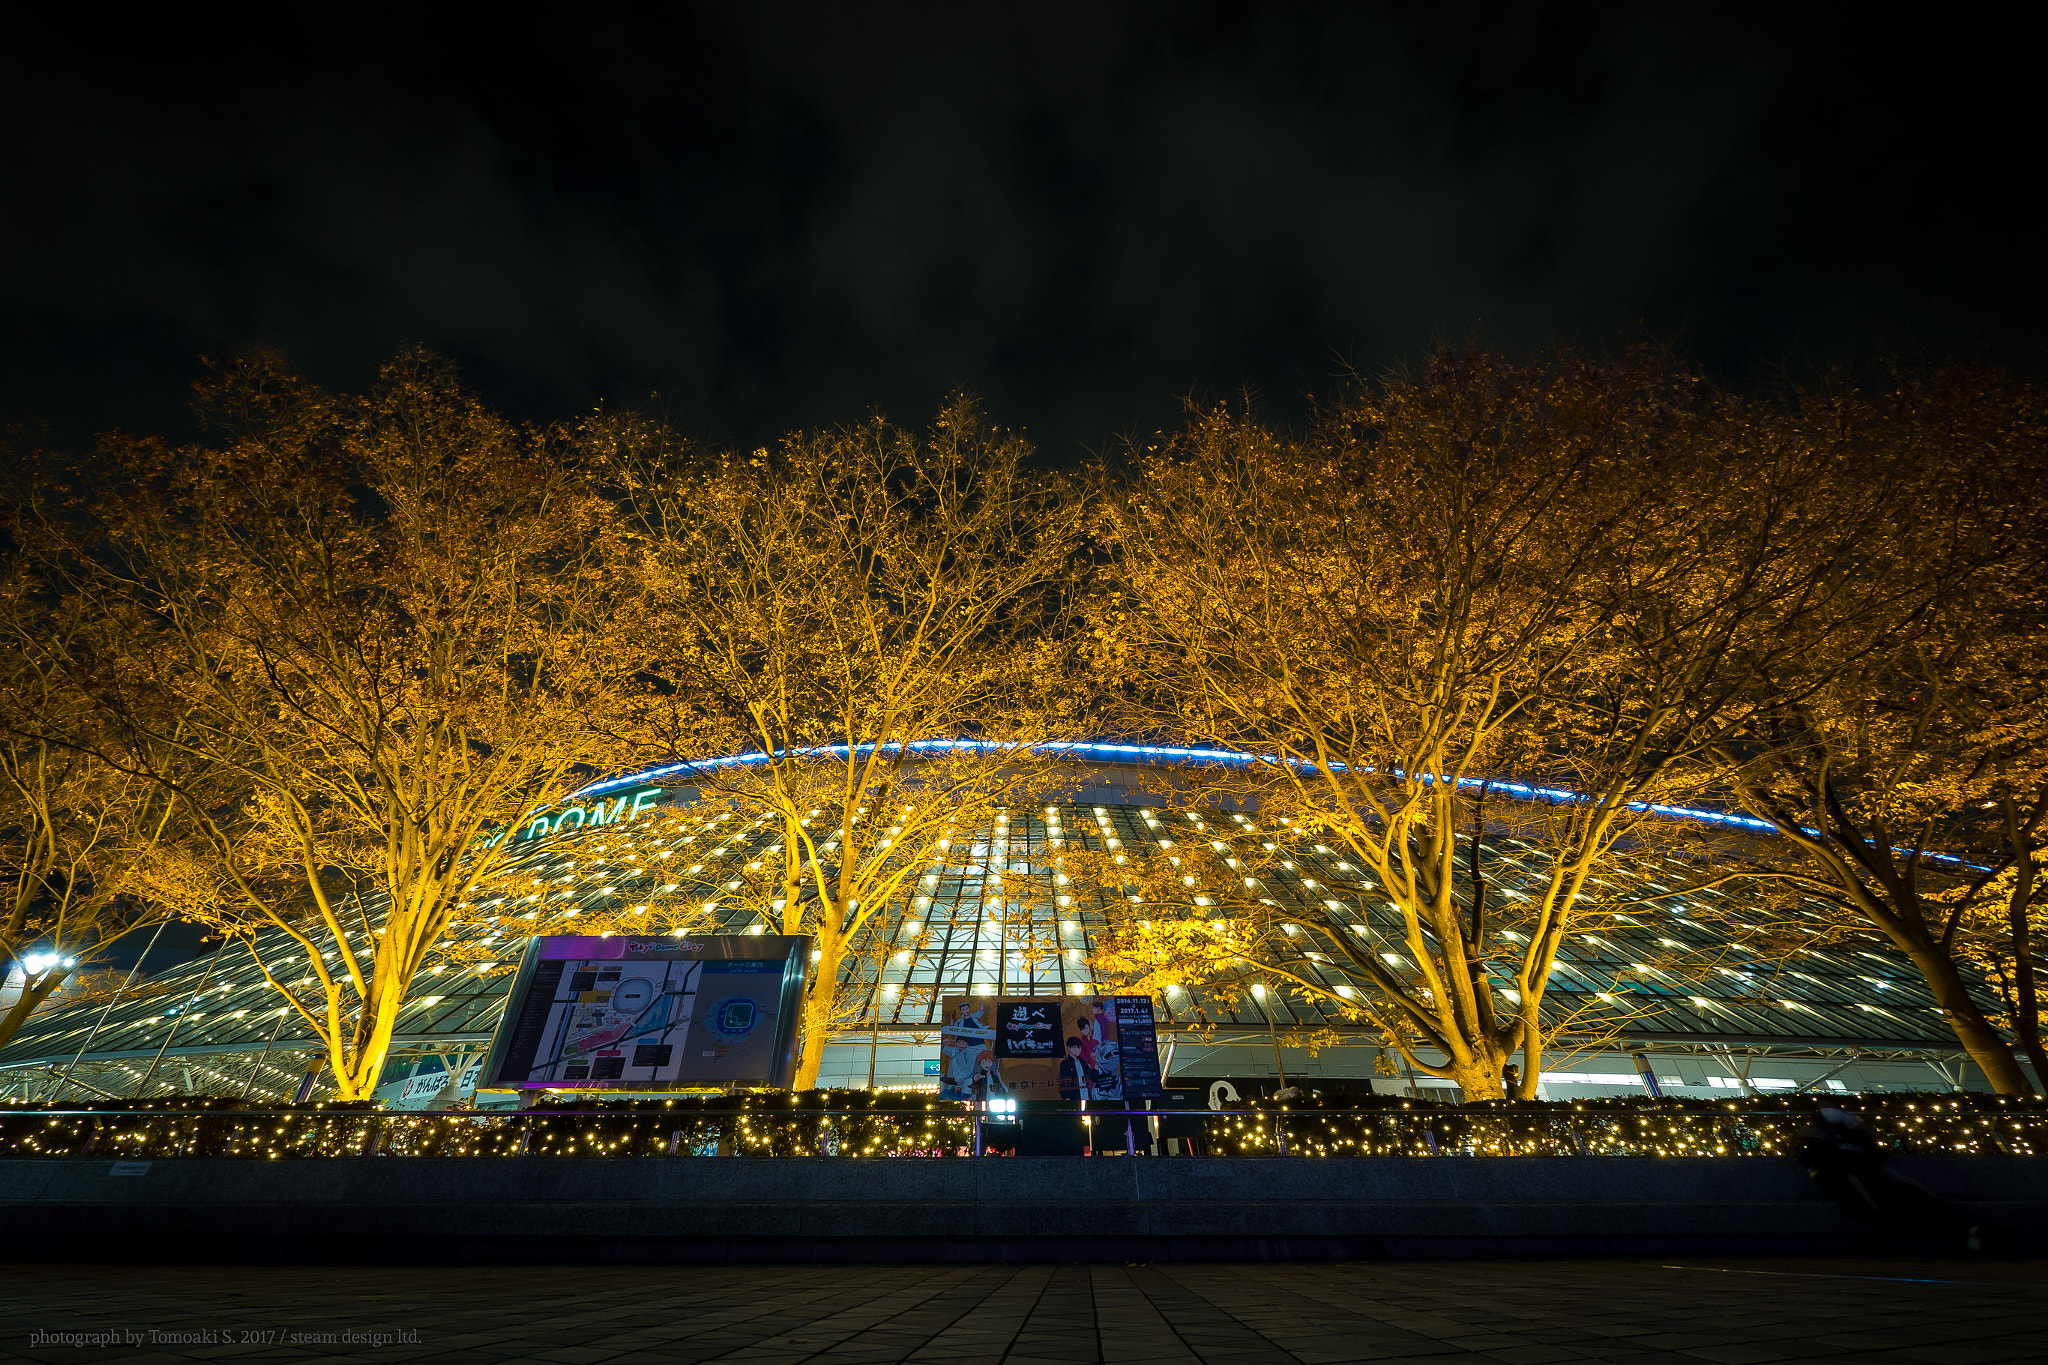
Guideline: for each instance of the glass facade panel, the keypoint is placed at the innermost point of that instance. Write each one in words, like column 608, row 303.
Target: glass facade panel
column 987, row 914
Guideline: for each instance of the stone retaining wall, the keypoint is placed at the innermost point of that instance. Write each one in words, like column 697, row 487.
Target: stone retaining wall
column 1052, row 1208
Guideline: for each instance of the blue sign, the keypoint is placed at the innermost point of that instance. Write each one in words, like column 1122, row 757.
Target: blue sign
column 734, row 1017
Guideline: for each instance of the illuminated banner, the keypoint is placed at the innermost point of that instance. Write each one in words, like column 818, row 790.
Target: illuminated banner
column 430, row 1087
column 1048, row 1047
column 651, row 1013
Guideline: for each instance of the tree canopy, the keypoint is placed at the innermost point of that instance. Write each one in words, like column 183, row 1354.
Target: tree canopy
column 302, row 676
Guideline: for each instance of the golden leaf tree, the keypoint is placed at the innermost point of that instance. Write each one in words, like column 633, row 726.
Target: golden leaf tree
column 1462, row 584
column 1909, row 775
column 92, row 847
column 390, row 616
column 2002, row 923
column 92, row 855
column 872, row 613
column 1224, row 903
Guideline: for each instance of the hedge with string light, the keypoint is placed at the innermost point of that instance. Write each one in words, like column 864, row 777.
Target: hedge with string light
column 858, row 1123
column 1384, row 1125
column 848, row 1123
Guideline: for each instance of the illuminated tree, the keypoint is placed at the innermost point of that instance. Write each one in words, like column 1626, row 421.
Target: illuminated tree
column 91, row 857
column 1233, row 905
column 2003, row 923
column 390, row 618
column 1463, row 583
column 93, row 849
column 831, row 606
column 1911, row 776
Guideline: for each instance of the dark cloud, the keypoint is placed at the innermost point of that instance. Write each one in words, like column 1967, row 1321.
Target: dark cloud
column 780, row 216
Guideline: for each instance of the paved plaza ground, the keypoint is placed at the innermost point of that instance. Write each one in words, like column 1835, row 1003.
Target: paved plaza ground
column 1729, row 1312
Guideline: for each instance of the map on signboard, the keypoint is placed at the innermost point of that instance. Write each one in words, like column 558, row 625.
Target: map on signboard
column 608, row 1017
column 621, row 1014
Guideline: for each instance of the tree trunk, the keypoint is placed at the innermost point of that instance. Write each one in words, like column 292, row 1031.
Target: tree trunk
column 820, row 1007
column 1897, row 912
column 1532, row 1056
column 355, row 1078
column 2026, row 1018
column 1972, row 1029
column 817, row 1019
column 1480, row 1078
column 1478, row 1065
column 32, row 996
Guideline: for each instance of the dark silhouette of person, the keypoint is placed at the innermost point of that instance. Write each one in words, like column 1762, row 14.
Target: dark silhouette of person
column 1852, row 1168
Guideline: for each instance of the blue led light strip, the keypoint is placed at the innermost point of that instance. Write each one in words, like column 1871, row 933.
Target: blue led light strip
column 1155, row 753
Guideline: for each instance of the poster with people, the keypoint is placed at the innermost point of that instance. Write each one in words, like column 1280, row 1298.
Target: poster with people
column 1070, row 1048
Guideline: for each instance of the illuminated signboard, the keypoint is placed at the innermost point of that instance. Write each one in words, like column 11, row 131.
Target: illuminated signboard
column 1049, row 1047
column 623, row 1013
column 615, row 810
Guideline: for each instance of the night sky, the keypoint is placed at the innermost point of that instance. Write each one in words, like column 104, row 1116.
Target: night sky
column 779, row 216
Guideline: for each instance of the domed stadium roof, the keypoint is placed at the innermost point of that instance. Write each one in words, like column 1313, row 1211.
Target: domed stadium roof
column 988, row 920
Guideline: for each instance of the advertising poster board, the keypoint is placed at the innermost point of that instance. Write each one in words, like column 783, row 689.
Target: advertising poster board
column 650, row 1013
column 1048, row 1047
column 436, row 1087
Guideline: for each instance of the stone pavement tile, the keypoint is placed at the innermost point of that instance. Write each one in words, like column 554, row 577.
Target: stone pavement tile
column 802, row 1339
column 1374, row 1353
column 1747, row 1353
column 1865, row 1343
column 1597, row 1331
column 1149, row 1346
column 960, row 1345
column 1330, row 1346
column 1522, row 1313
